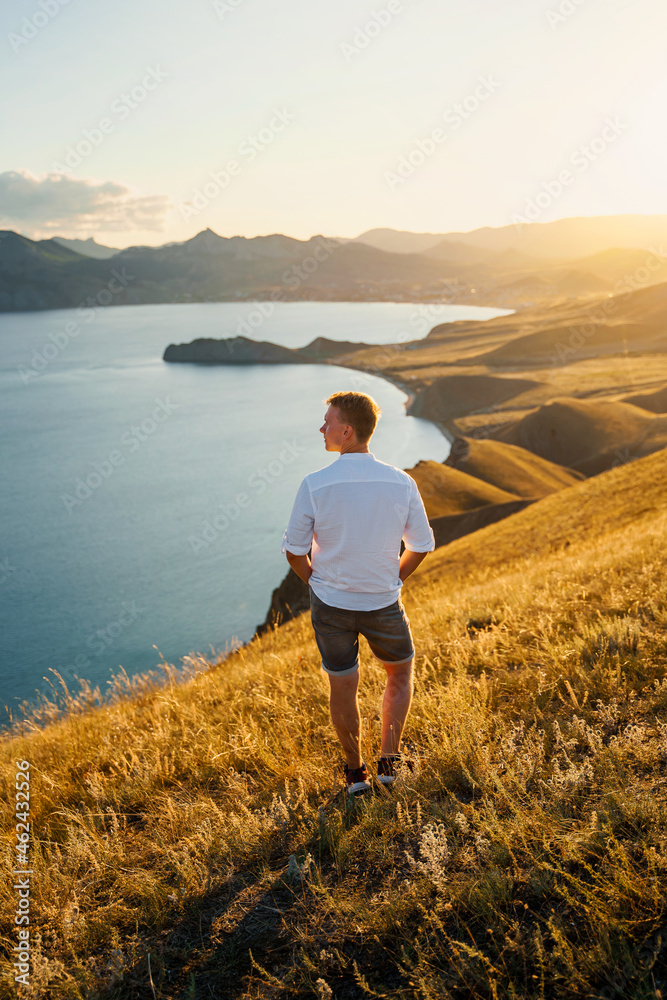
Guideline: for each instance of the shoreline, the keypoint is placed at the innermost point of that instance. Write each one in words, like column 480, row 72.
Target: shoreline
column 287, row 301
column 165, row 325
column 449, row 434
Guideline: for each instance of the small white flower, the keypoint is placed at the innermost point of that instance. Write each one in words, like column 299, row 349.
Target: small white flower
column 434, row 852
column 461, row 822
column 299, row 871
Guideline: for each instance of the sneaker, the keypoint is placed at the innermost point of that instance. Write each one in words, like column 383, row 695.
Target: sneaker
column 356, row 779
column 387, row 768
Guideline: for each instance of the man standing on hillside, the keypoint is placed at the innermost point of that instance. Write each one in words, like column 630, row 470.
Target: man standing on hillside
column 355, row 512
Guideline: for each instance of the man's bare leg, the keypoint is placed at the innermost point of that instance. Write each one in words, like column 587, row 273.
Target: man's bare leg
column 345, row 715
column 395, row 705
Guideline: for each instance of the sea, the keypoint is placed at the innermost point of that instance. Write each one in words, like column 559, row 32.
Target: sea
column 143, row 503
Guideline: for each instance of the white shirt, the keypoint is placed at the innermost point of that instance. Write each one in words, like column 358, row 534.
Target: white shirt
column 355, row 513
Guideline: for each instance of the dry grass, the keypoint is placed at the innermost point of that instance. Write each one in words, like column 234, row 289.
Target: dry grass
column 193, row 839
column 510, row 468
column 490, row 372
column 446, row 490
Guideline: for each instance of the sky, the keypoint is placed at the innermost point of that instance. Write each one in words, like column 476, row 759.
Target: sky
column 146, row 121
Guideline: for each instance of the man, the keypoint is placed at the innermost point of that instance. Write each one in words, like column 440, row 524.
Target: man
column 355, row 512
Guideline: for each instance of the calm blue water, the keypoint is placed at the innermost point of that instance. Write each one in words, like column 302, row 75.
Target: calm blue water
column 143, row 502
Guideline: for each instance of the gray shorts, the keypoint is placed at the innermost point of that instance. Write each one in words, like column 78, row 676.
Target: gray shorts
column 387, row 631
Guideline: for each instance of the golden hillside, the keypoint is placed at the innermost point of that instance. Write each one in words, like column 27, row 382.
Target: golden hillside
column 446, row 490
column 509, row 467
column 447, row 396
column 587, row 435
column 655, row 401
column 193, row 839
column 474, row 378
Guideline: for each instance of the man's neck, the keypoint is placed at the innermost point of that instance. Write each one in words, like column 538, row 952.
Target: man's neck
column 360, row 449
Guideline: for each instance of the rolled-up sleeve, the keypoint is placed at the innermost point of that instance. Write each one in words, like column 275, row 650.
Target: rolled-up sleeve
column 418, row 535
column 298, row 535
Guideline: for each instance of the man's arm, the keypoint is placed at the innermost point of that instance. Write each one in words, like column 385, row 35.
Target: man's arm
column 301, row 565
column 418, row 534
column 299, row 533
column 409, row 562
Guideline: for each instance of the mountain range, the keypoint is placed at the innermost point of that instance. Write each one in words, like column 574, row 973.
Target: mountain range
column 510, row 267
column 553, row 240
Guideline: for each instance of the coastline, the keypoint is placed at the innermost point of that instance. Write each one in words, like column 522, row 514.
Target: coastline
column 447, row 432
column 161, row 325
column 290, row 591
column 287, row 593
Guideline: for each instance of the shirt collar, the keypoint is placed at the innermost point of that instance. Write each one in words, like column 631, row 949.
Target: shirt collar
column 356, row 454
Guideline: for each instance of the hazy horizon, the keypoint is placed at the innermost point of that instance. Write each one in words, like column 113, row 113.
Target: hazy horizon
column 314, row 235
column 251, row 119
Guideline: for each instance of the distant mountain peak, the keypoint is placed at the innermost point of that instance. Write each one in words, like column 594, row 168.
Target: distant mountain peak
column 206, row 234
column 88, row 248
column 206, row 242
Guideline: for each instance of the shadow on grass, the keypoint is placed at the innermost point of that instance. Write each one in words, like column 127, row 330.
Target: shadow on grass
column 237, row 939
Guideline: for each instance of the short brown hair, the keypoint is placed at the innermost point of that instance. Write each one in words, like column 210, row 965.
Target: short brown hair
column 358, row 410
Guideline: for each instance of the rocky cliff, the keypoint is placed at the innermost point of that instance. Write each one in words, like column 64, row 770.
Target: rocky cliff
column 233, row 351
column 243, row 351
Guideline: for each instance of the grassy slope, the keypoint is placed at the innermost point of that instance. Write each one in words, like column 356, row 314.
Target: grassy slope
column 612, row 264
column 585, row 514
column 474, row 376
column 655, row 401
column 509, row 467
column 445, row 490
column 526, row 856
column 447, row 396
column 588, row 434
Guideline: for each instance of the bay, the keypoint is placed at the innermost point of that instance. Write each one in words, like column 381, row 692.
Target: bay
column 143, row 503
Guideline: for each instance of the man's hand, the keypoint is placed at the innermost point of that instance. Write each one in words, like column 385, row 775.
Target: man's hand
column 301, row 565
column 409, row 562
